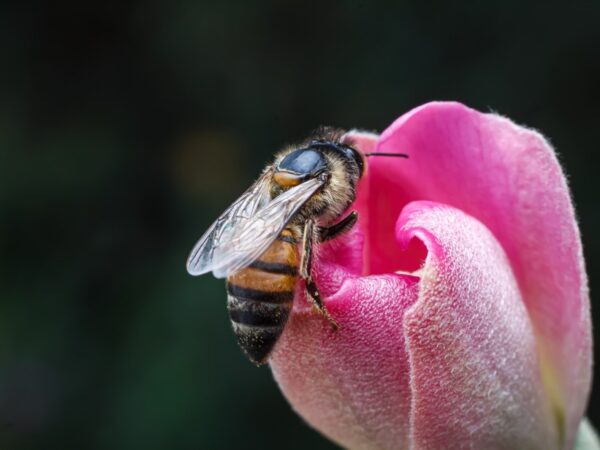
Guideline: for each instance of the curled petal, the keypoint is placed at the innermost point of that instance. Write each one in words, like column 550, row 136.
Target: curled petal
column 475, row 376
column 462, row 296
column 419, row 360
column 508, row 178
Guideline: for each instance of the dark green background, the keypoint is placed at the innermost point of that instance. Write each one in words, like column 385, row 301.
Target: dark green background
column 126, row 127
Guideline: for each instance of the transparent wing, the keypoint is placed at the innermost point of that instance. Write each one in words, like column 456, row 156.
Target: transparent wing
column 240, row 212
column 246, row 241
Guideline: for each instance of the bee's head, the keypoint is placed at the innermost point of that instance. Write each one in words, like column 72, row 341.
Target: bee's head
column 314, row 159
column 351, row 157
column 339, row 164
column 330, row 155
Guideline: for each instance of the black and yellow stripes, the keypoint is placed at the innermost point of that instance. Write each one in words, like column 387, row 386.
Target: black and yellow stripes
column 257, row 325
column 277, row 268
column 260, row 297
column 258, row 314
column 254, row 279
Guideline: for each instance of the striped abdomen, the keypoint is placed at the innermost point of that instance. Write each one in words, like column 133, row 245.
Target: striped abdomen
column 259, row 298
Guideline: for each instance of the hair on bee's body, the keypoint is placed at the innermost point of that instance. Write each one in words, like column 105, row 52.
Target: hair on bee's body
column 339, row 190
column 297, row 202
column 260, row 296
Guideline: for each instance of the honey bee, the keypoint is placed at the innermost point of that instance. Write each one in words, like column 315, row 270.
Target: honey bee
column 294, row 205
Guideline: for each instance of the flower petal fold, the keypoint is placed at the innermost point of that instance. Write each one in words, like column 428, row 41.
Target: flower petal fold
column 447, row 359
column 508, row 178
column 352, row 385
column 461, row 295
column 475, row 376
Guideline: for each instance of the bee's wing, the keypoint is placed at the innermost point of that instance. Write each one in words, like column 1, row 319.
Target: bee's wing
column 240, row 212
column 244, row 243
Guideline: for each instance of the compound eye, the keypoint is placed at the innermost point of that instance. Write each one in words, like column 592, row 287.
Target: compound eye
column 303, row 162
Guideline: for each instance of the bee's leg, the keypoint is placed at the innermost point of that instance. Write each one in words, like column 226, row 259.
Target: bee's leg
column 308, row 239
column 343, row 226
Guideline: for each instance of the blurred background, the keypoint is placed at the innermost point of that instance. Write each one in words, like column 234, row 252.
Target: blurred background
column 126, row 127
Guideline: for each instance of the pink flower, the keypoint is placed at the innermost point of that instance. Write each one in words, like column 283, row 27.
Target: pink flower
column 461, row 296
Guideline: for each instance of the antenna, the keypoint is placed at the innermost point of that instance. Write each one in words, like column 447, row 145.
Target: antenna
column 398, row 155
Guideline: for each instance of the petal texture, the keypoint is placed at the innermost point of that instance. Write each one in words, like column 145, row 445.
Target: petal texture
column 475, row 378
column 353, row 386
column 444, row 361
column 508, row 178
column 487, row 344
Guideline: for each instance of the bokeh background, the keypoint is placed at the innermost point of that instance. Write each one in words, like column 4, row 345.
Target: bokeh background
column 127, row 126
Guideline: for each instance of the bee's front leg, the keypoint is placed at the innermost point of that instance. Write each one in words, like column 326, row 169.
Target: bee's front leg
column 308, row 240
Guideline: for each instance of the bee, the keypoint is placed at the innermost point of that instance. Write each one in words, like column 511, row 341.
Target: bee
column 265, row 241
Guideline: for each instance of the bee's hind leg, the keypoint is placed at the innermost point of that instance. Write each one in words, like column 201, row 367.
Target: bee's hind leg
column 308, row 239
column 343, row 226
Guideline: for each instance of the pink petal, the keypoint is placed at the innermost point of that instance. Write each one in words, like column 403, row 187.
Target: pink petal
column 475, row 376
column 457, row 358
column 352, row 385
column 508, row 178
column 432, row 363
